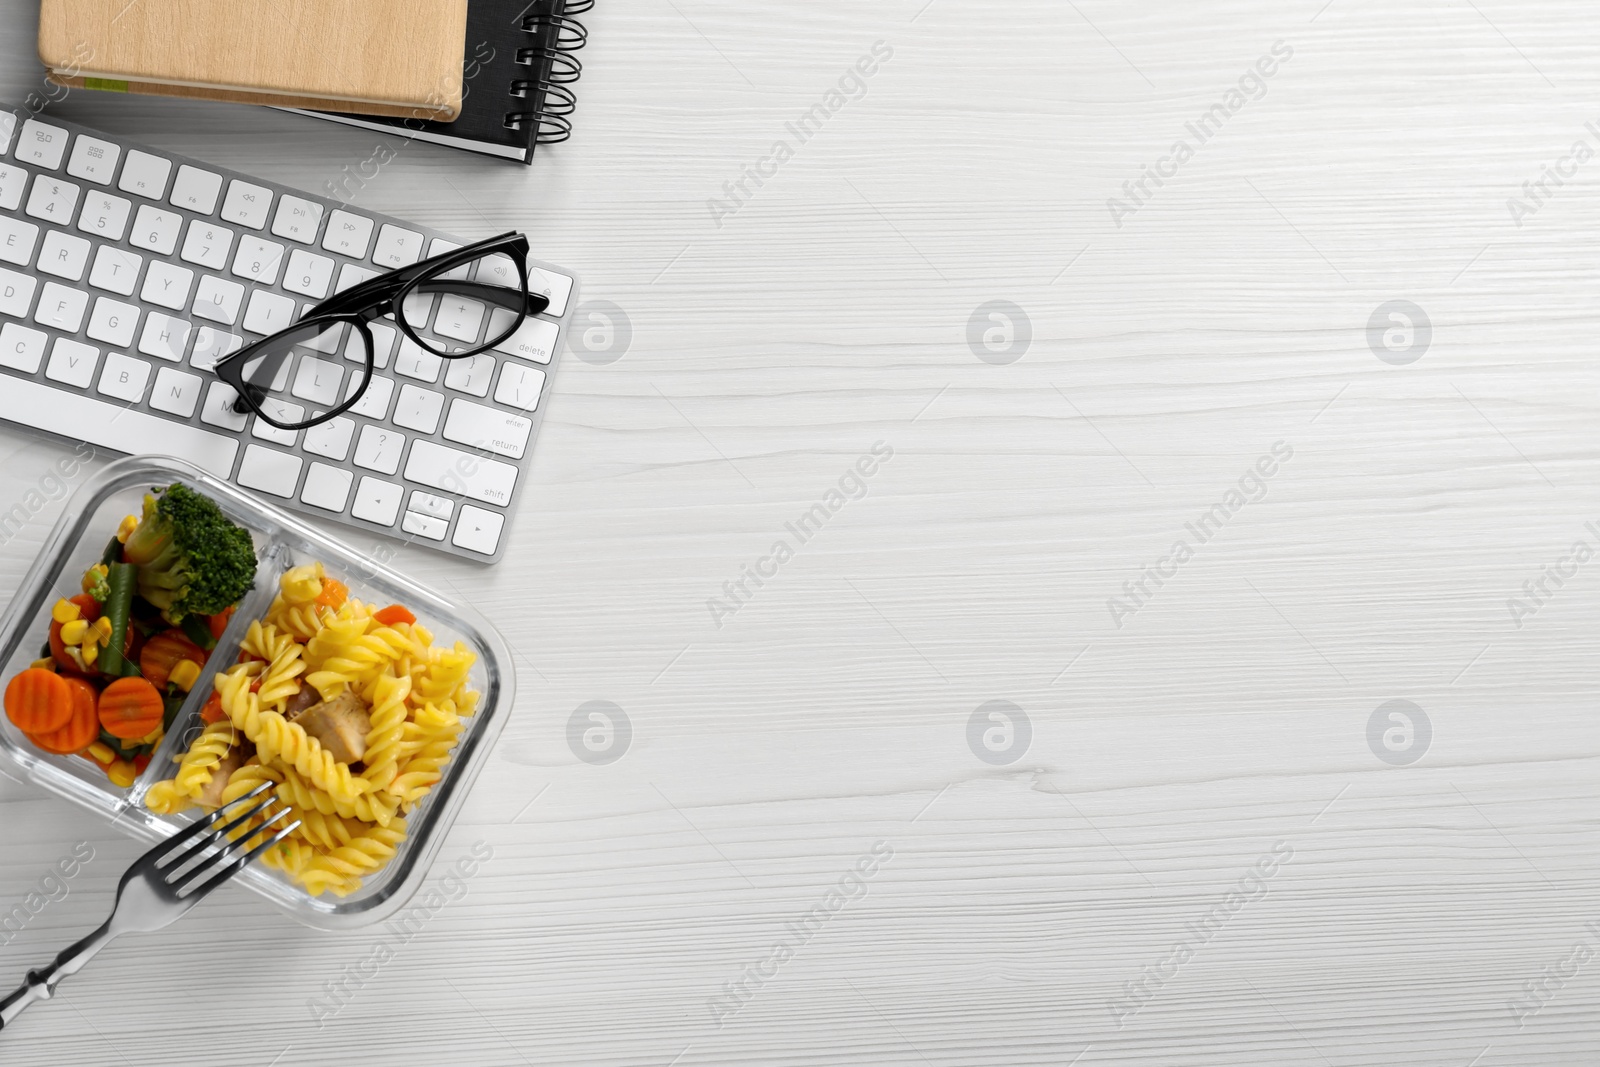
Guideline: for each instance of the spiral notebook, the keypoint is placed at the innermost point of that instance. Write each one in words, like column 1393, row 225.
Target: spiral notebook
column 518, row 73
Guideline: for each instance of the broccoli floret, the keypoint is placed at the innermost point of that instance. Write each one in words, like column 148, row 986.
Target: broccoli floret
column 192, row 559
column 95, row 583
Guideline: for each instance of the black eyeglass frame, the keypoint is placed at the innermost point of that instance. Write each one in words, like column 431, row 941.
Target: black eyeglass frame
column 385, row 295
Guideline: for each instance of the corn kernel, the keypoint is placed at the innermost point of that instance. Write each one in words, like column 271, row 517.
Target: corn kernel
column 101, row 753
column 121, row 773
column 184, row 674
column 72, row 633
column 102, row 626
column 126, row 527
column 65, row 611
column 46, row 664
column 152, row 737
column 90, row 653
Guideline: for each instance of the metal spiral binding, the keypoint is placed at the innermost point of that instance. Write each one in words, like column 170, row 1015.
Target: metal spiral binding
column 556, row 101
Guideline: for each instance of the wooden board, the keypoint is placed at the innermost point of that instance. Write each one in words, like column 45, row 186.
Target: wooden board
column 1167, row 757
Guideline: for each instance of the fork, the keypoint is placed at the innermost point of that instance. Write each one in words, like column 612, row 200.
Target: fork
column 159, row 888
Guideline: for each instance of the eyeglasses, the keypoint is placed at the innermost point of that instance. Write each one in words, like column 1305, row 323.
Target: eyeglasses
column 297, row 377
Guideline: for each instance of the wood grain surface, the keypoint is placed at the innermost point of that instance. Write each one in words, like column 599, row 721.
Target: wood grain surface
column 1199, row 836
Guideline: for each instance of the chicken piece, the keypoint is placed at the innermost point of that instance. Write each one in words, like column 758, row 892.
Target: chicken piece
column 340, row 725
column 211, row 796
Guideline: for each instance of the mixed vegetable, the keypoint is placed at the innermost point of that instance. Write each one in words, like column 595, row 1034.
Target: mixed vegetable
column 123, row 654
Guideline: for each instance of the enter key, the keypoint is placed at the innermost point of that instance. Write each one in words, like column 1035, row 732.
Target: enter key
column 486, row 428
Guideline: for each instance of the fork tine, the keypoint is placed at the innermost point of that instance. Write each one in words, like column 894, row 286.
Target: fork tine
column 201, row 825
column 193, row 855
column 239, row 864
column 197, row 873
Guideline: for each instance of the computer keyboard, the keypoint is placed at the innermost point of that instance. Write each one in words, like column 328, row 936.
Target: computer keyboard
column 127, row 272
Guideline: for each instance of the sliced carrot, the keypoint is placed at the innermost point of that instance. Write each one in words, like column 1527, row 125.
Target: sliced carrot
column 333, row 593
column 38, row 701
column 130, row 708
column 219, row 622
column 164, row 651
column 393, row 615
column 81, row 729
column 211, row 711
column 88, row 606
column 141, row 761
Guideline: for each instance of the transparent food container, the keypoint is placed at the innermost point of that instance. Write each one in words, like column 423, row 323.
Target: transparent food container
column 282, row 541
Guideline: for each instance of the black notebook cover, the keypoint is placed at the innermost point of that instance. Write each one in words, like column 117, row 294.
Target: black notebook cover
column 518, row 71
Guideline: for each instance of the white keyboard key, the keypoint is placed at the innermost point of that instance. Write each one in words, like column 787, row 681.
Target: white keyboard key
column 397, row 247
column 13, row 179
column 80, row 417
column 145, row 175
column 258, row 260
column 72, row 363
column 176, row 392
column 61, row 307
column 416, row 308
column 418, row 409
column 478, row 530
column 519, row 386
column 347, row 234
column 218, row 409
column 218, row 300
column 351, row 275
column 308, row 273
column 156, row 230
column 63, row 255
column 470, row 374
column 331, row 438
column 104, row 215
column 113, row 322
column 416, row 362
column 115, row 269
column 16, row 293
column 21, row 349
column 382, row 344
column 377, row 501
column 424, row 526
column 460, row 473
column 317, row 381
column 207, row 244
column 486, row 428
column 498, row 270
column 41, row 144
column 8, row 126
column 535, row 339
column 210, row 345
column 374, row 403
column 246, row 204
column 196, row 190
column 459, row 318
column 283, row 411
column 379, row 449
column 52, row 199
column 167, row 285
column 124, row 377
column 558, row 287
column 17, row 239
column 268, row 312
column 327, row 487
column 93, row 159
column 438, row 247
column 269, row 470
column 297, row 219
column 427, row 504
column 164, row 337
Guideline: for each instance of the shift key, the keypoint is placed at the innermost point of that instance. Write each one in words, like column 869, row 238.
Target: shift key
column 461, row 473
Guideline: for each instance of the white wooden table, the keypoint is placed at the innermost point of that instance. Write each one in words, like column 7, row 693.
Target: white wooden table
column 1195, row 838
